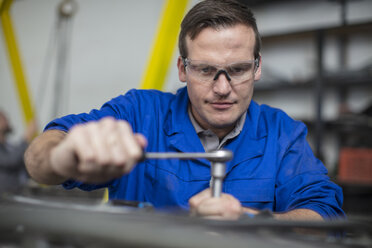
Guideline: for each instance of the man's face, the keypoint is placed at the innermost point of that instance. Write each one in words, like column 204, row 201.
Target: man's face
column 217, row 105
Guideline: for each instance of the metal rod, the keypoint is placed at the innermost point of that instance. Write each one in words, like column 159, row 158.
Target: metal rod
column 214, row 156
column 218, row 170
column 318, row 90
column 177, row 155
column 218, row 160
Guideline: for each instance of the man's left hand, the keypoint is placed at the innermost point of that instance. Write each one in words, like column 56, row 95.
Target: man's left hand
column 224, row 207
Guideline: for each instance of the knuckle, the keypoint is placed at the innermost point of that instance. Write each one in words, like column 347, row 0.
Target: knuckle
column 108, row 119
column 192, row 202
column 235, row 208
column 232, row 205
column 76, row 128
column 107, row 123
column 124, row 125
column 74, row 134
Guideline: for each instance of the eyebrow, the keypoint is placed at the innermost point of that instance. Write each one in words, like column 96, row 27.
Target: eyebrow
column 210, row 63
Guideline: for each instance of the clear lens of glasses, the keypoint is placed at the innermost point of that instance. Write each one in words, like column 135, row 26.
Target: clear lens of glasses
column 238, row 72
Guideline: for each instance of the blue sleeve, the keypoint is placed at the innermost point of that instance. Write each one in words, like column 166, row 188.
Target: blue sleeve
column 302, row 180
column 122, row 107
column 67, row 122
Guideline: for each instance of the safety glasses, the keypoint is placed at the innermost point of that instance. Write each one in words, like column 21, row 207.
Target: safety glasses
column 236, row 73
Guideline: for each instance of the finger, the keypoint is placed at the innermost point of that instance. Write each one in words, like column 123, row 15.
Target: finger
column 198, row 198
column 114, row 145
column 96, row 163
column 132, row 148
column 92, row 150
column 251, row 210
column 210, row 207
column 232, row 208
column 80, row 143
column 110, row 149
column 226, row 206
column 97, row 134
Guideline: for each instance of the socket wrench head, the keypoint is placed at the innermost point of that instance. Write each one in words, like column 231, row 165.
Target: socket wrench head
column 222, row 155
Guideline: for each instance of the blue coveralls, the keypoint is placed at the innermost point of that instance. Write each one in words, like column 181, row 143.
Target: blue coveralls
column 273, row 166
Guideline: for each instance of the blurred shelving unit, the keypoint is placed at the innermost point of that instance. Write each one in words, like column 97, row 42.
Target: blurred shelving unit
column 340, row 81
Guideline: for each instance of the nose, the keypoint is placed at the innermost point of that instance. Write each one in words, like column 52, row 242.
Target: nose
column 220, row 72
column 221, row 84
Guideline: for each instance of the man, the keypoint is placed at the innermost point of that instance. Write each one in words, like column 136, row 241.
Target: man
column 273, row 166
column 12, row 168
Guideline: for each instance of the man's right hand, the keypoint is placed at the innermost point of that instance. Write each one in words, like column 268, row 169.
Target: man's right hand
column 97, row 152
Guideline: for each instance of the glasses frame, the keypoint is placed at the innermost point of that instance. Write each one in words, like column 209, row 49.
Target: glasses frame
column 186, row 62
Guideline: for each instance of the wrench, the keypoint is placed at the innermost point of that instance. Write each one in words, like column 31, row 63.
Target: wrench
column 218, row 159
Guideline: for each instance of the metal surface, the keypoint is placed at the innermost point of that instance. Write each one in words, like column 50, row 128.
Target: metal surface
column 52, row 222
column 218, row 159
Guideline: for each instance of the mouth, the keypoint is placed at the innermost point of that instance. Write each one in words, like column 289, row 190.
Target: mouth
column 221, row 105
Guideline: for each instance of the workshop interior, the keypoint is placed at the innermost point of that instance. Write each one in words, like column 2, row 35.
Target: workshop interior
column 69, row 56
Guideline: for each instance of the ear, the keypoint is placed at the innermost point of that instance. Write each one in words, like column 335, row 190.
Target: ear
column 257, row 74
column 181, row 70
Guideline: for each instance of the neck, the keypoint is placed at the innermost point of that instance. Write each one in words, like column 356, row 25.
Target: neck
column 222, row 132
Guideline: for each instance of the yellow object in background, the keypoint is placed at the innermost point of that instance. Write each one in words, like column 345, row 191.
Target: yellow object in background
column 164, row 45
column 15, row 61
column 105, row 197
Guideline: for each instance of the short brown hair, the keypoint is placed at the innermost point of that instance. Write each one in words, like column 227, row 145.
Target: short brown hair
column 216, row 14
